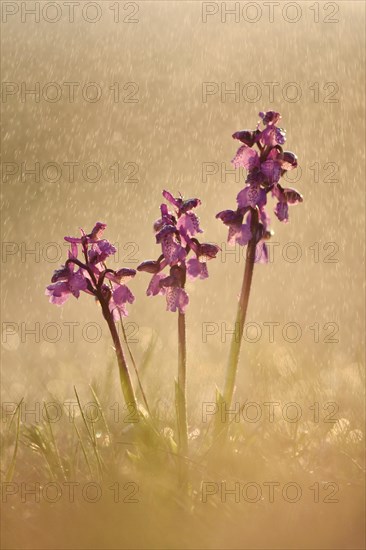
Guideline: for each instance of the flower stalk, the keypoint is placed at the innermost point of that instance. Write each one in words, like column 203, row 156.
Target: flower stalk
column 176, row 231
column 124, row 375
column 182, row 385
column 249, row 224
column 236, row 339
column 91, row 278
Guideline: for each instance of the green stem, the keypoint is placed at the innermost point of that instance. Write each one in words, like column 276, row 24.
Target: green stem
column 125, row 339
column 100, row 282
column 241, row 314
column 182, row 385
column 127, row 388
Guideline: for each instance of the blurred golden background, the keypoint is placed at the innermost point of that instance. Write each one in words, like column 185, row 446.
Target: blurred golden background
column 165, row 133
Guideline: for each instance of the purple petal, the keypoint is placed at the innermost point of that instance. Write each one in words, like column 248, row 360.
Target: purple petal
column 255, row 177
column 106, row 248
column 173, row 252
column 97, row 231
column 167, row 229
column 274, row 154
column 123, row 295
column 272, row 170
column 244, row 236
column 77, row 282
column 73, row 240
column 176, row 298
column 265, row 219
column 261, row 253
column 117, row 311
column 273, row 136
column 164, row 210
column 280, row 136
column 169, row 281
column 120, row 297
column 94, row 236
column 251, row 195
column 73, row 253
column 195, row 269
column 59, row 293
column 191, row 224
column 246, row 157
column 281, row 211
column 169, row 197
column 154, row 287
column 100, row 251
column 240, row 234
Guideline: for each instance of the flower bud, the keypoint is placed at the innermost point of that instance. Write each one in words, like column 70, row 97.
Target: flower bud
column 61, row 274
column 166, row 230
column 229, row 217
column 150, row 266
column 125, row 273
column 289, row 160
column 270, row 117
column 245, row 136
column 292, row 196
column 188, row 205
column 208, row 251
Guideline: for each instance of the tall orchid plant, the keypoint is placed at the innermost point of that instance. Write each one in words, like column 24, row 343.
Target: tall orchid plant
column 249, row 223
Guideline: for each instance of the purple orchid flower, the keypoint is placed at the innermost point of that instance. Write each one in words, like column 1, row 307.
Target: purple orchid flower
column 66, row 282
column 249, row 224
column 92, row 273
column 106, row 285
column 265, row 169
column 175, row 231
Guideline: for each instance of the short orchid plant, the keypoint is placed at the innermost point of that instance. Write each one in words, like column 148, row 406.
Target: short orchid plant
column 90, row 275
column 183, row 257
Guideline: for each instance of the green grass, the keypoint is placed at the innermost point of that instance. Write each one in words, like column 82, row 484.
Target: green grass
column 154, row 508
